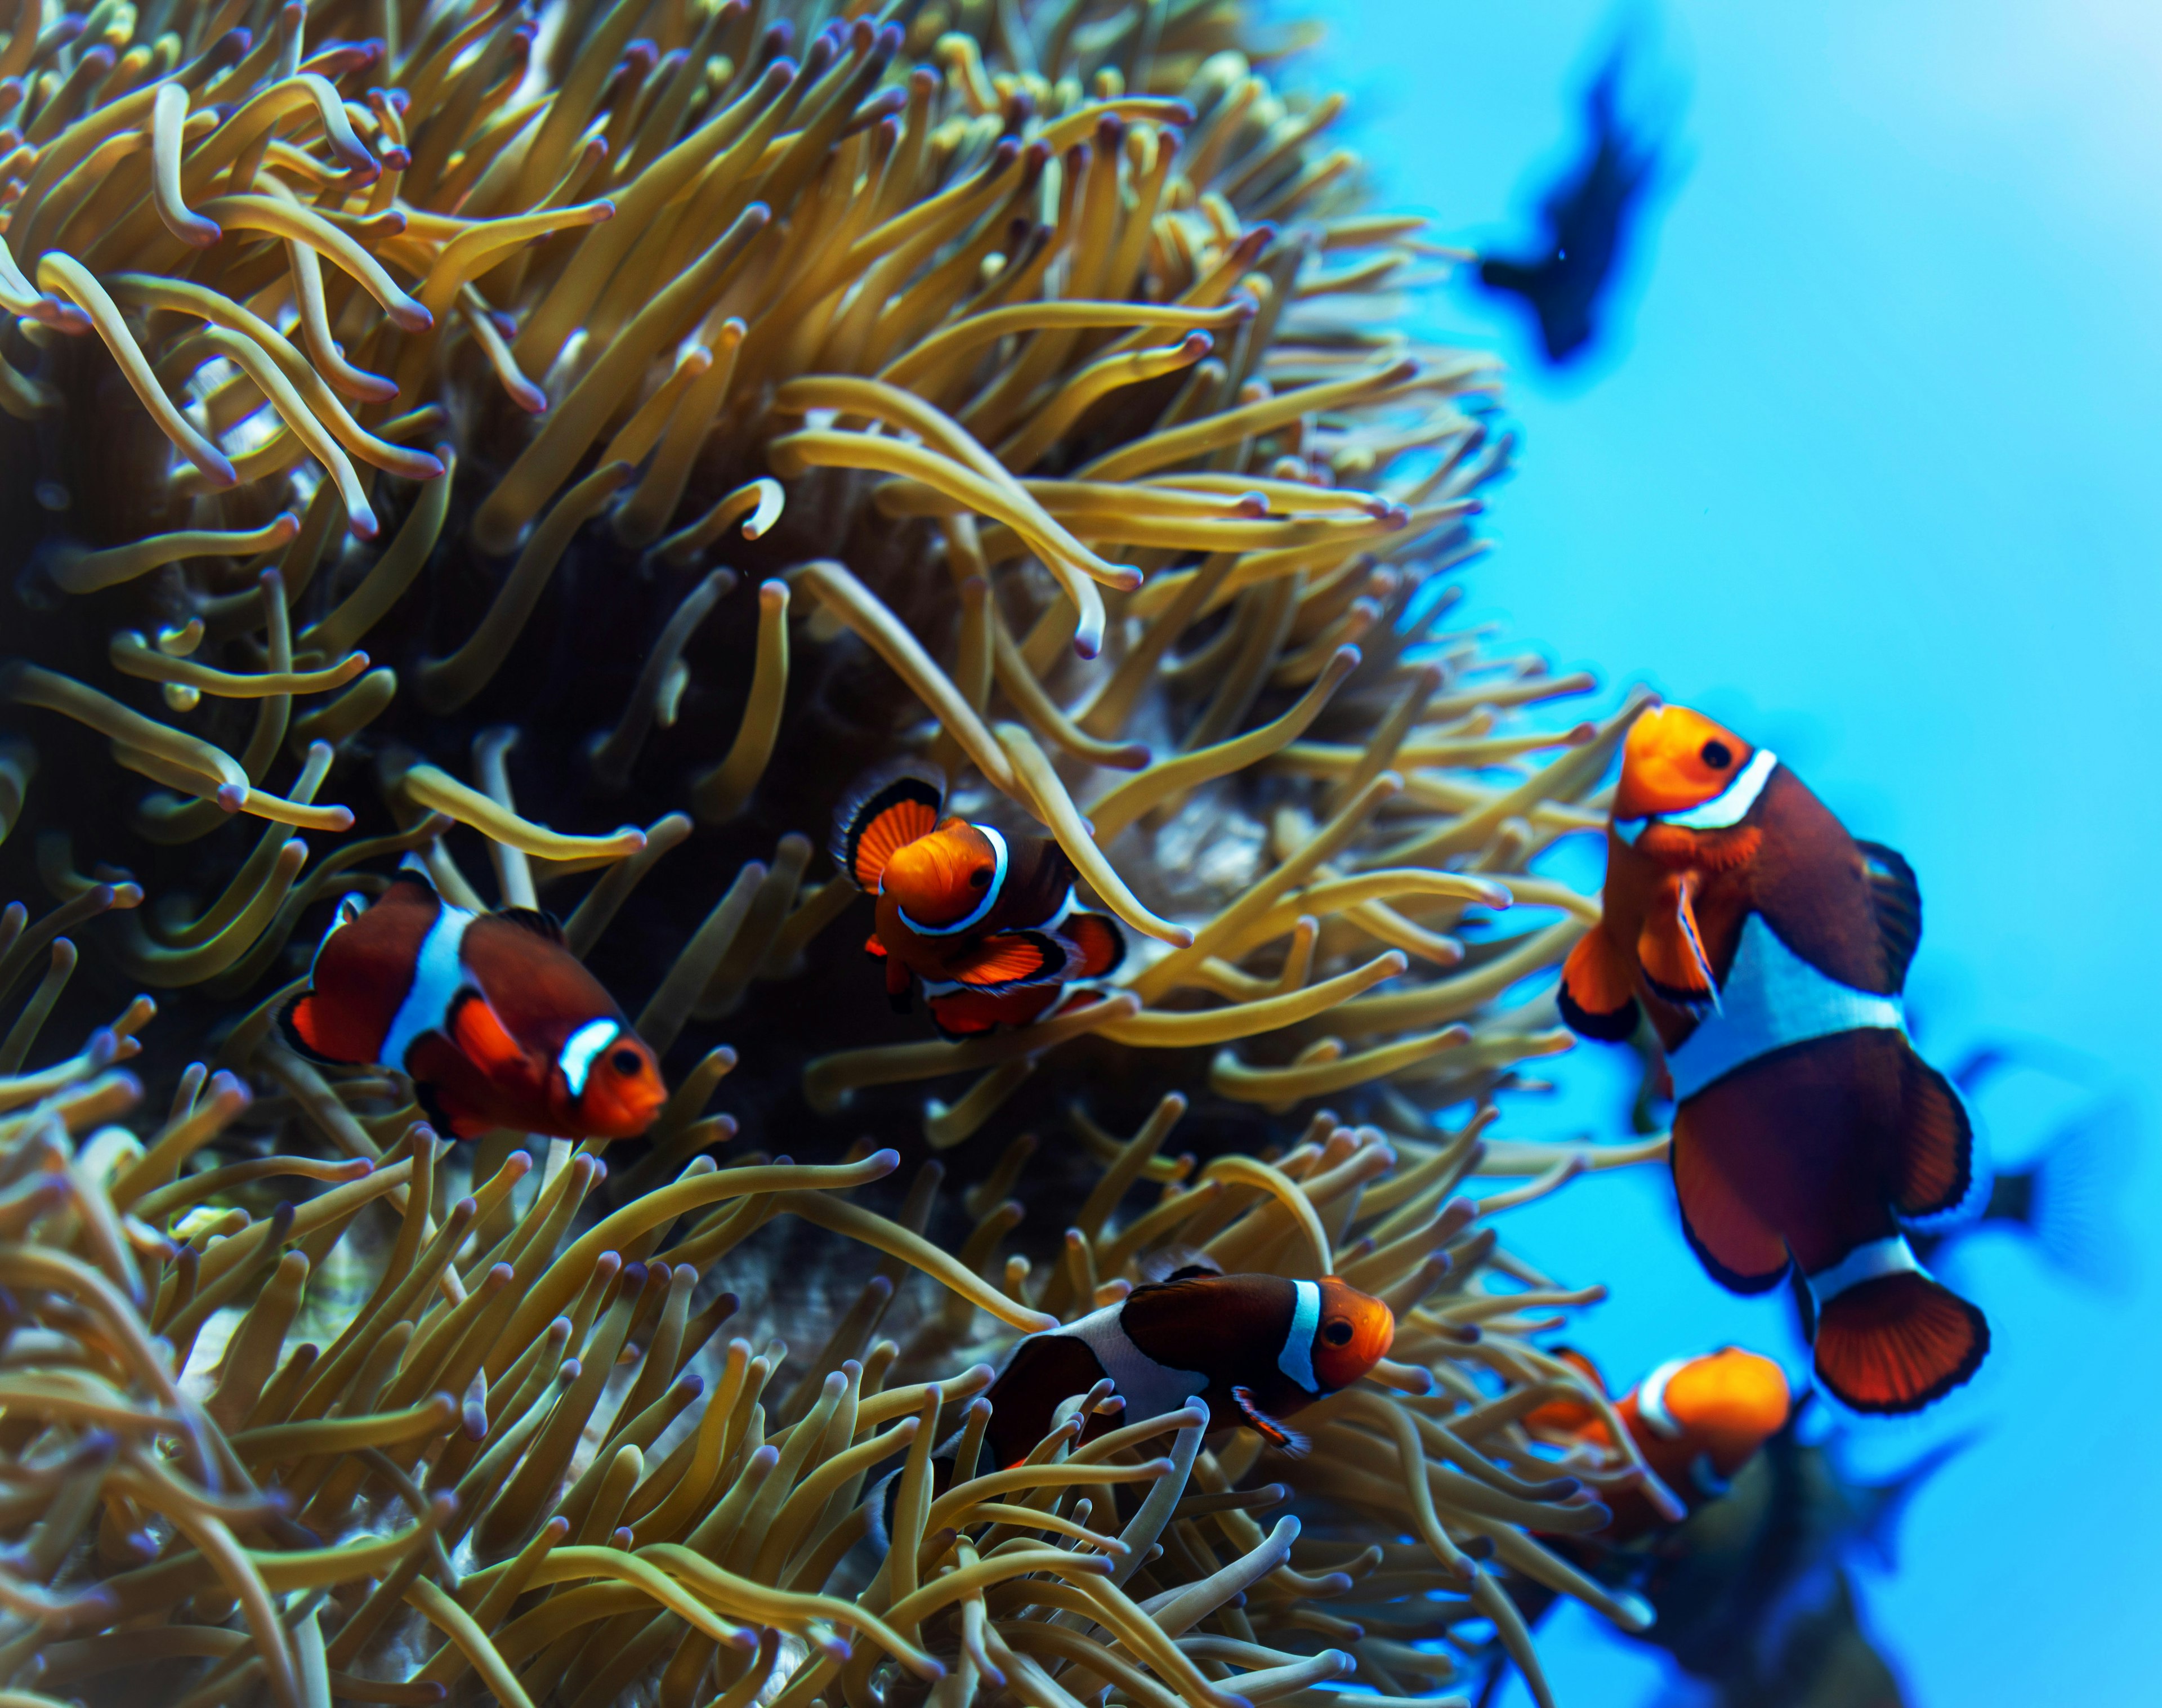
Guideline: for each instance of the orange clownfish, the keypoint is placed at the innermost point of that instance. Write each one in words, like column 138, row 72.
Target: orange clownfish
column 497, row 1023
column 987, row 921
column 1770, row 948
column 1254, row 1348
column 1697, row 1422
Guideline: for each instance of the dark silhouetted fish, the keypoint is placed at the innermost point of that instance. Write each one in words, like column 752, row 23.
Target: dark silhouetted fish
column 1751, row 1593
column 1588, row 217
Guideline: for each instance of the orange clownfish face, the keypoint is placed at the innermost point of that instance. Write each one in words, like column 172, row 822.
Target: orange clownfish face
column 1676, row 759
column 948, row 881
column 1354, row 1334
column 1726, row 1404
column 608, row 1078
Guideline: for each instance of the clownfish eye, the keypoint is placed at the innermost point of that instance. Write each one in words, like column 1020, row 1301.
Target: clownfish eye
column 979, row 878
column 1716, row 754
column 625, row 1063
column 1337, row 1333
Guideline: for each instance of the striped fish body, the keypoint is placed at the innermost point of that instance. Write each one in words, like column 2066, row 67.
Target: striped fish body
column 498, row 1024
column 984, row 922
column 1255, row 1348
column 1768, row 950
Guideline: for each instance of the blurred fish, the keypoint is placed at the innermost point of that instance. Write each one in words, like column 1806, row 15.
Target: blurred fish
column 2064, row 1200
column 1769, row 949
column 1697, row 1422
column 496, row 1022
column 1254, row 1348
column 987, row 922
column 1587, row 215
column 1751, row 1593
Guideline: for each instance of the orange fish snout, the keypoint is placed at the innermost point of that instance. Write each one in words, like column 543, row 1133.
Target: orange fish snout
column 943, row 879
column 613, row 1082
column 1725, row 1405
column 1354, row 1334
column 1673, row 759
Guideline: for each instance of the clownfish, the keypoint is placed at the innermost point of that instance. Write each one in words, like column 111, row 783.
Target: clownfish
column 1770, row 948
column 986, row 920
column 1255, row 1348
column 1696, row 1421
column 496, row 1022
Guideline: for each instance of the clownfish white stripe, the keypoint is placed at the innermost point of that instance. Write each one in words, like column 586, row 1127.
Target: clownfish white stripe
column 1722, row 811
column 1772, row 998
column 990, row 897
column 438, row 975
column 1891, row 1255
column 1150, row 1388
column 1651, row 1399
column 1731, row 804
column 1296, row 1361
column 580, row 1049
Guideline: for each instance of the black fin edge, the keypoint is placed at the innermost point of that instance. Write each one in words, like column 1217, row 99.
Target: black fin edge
column 1958, row 1377
column 886, row 786
column 1615, row 1027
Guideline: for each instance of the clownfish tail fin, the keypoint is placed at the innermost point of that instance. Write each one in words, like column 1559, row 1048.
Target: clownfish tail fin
column 1894, row 1342
column 1596, row 998
column 1934, row 1172
column 1896, row 899
column 887, row 810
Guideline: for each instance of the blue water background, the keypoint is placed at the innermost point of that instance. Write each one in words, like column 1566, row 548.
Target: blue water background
column 1871, row 471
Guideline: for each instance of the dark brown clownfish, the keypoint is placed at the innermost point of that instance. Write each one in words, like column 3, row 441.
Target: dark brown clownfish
column 1254, row 1348
column 498, row 1024
column 986, row 920
column 1769, row 949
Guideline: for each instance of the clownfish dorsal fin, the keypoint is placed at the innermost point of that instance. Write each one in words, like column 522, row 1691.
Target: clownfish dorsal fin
column 1896, row 899
column 889, row 809
column 1286, row 1441
column 1177, row 1263
column 481, row 1036
column 540, row 922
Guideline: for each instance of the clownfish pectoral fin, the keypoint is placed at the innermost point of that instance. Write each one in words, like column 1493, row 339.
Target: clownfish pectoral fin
column 888, row 810
column 1598, row 996
column 1285, row 1441
column 1007, row 958
column 1100, row 944
column 1670, row 949
column 875, row 946
column 1896, row 899
column 1730, row 1239
column 482, row 1037
column 1933, row 1170
column 301, row 1028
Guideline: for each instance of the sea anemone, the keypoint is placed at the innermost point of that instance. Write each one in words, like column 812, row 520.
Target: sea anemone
column 474, row 337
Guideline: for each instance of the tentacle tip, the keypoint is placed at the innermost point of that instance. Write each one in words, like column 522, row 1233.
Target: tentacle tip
column 232, row 797
column 410, row 316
